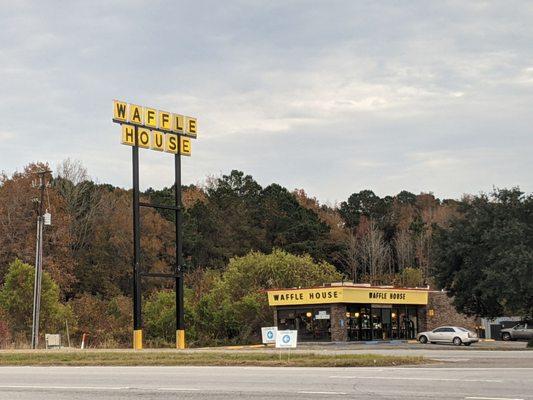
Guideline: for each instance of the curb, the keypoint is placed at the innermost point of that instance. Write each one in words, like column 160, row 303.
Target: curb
column 250, row 346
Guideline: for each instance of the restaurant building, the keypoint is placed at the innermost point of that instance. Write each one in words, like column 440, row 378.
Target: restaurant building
column 341, row 312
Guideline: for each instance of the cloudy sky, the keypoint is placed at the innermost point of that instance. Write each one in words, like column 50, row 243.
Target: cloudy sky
column 330, row 96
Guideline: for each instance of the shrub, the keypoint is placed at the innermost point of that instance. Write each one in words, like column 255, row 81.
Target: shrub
column 107, row 322
column 237, row 307
column 16, row 301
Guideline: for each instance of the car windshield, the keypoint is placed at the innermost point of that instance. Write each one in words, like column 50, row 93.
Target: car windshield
column 519, row 326
column 462, row 329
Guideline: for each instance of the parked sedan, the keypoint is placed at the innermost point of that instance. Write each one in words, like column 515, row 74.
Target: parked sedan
column 448, row 334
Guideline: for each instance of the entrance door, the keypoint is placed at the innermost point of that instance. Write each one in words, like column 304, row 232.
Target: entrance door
column 382, row 323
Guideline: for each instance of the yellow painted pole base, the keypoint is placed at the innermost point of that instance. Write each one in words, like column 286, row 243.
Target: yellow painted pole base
column 137, row 339
column 180, row 339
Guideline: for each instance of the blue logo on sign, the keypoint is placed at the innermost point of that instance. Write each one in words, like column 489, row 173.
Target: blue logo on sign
column 270, row 334
column 286, row 339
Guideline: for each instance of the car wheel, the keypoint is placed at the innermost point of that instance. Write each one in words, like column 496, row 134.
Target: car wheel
column 467, row 344
column 457, row 341
column 423, row 339
column 506, row 336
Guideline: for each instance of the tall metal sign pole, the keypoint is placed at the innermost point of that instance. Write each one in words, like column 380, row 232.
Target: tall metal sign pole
column 137, row 317
column 166, row 132
column 38, row 263
column 180, row 317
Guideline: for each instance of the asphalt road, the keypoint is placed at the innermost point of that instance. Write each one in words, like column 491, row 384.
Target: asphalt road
column 84, row 383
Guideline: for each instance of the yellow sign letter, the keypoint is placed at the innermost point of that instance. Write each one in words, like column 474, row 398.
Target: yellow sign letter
column 128, row 135
column 158, row 141
column 185, row 146
column 177, row 124
column 171, row 144
column 191, row 126
column 164, row 120
column 150, row 117
column 119, row 110
column 143, row 138
column 136, row 114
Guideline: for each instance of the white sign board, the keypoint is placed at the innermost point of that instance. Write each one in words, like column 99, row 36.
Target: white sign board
column 269, row 334
column 322, row 315
column 286, row 339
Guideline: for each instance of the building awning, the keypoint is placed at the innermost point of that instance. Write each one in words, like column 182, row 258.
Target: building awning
column 347, row 294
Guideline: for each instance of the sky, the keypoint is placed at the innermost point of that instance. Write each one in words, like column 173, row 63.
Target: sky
column 330, row 96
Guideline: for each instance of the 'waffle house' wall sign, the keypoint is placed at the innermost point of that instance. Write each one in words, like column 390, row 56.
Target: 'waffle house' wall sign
column 154, row 129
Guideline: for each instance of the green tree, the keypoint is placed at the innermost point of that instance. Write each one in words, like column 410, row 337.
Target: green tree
column 290, row 226
column 16, row 300
column 485, row 258
column 365, row 203
column 237, row 306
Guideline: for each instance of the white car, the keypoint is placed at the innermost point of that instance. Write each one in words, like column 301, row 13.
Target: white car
column 448, row 334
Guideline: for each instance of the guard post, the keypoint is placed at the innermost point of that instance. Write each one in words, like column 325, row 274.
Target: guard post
column 165, row 132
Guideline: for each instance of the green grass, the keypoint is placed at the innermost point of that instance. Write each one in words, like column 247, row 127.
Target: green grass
column 170, row 358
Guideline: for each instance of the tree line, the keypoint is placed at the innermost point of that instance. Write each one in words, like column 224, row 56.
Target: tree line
column 406, row 240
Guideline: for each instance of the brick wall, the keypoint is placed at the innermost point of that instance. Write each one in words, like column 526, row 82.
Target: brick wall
column 444, row 314
column 339, row 332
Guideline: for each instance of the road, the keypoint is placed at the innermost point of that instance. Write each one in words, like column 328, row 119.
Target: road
column 196, row 383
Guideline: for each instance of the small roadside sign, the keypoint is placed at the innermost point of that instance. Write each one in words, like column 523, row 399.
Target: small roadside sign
column 269, row 334
column 286, row 339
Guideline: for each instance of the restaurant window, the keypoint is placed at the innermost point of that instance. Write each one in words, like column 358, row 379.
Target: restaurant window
column 312, row 323
column 381, row 322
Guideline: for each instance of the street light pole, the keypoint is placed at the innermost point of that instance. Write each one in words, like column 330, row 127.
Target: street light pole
column 38, row 263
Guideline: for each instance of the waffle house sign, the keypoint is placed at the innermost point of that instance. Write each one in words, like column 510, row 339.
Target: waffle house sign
column 153, row 129
column 343, row 294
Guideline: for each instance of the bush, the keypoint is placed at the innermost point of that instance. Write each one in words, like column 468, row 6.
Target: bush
column 108, row 322
column 159, row 316
column 411, row 277
column 6, row 339
column 16, row 302
column 236, row 308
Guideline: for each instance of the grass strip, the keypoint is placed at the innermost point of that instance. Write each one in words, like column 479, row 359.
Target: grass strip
column 176, row 358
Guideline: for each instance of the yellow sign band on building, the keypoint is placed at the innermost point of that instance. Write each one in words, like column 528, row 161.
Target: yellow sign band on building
column 342, row 294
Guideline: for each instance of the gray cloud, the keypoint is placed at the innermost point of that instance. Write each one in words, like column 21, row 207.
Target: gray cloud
column 333, row 97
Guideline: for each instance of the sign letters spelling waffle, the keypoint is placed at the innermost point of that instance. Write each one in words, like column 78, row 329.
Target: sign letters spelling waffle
column 156, row 130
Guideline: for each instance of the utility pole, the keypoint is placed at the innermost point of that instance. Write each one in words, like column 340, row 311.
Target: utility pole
column 38, row 262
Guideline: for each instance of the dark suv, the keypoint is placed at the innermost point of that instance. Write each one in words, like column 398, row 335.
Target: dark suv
column 521, row 331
